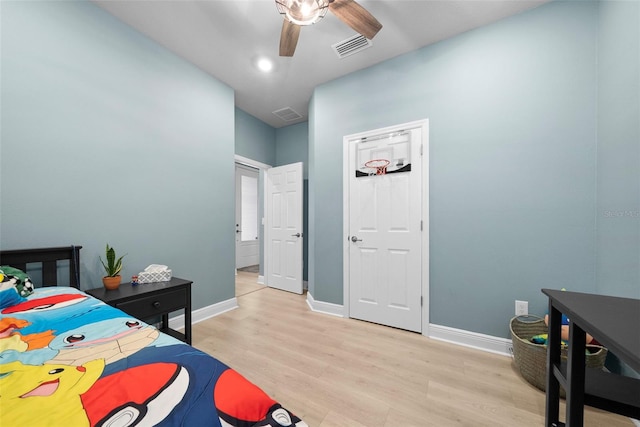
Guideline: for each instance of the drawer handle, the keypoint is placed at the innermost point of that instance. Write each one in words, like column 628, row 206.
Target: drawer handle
column 156, row 304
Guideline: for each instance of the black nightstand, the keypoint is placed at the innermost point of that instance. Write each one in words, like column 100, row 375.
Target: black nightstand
column 150, row 300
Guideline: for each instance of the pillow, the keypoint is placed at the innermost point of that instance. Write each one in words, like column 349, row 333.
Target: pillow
column 15, row 286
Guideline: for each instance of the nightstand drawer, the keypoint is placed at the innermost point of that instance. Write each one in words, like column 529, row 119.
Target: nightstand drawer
column 155, row 305
column 152, row 300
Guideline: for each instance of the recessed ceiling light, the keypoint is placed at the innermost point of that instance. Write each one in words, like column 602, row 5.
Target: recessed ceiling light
column 264, row 64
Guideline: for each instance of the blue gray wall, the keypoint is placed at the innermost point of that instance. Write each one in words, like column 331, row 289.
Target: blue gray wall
column 109, row 138
column 618, row 184
column 292, row 145
column 254, row 139
column 618, row 181
column 513, row 113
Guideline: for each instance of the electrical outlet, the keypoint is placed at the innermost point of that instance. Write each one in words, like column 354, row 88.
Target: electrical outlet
column 522, row 308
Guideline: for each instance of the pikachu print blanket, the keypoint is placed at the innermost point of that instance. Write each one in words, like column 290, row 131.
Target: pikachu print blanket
column 68, row 359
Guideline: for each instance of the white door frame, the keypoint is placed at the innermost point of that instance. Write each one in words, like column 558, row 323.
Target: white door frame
column 424, row 125
column 262, row 166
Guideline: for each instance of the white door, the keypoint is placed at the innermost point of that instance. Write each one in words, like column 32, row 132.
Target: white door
column 385, row 229
column 247, row 231
column 283, row 232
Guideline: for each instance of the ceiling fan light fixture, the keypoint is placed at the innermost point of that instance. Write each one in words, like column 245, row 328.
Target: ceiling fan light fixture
column 264, row 64
column 302, row 12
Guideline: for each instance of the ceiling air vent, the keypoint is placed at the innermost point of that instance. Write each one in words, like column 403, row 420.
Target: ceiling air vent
column 351, row 45
column 287, row 114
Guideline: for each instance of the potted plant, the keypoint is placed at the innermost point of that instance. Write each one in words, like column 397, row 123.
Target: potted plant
column 112, row 268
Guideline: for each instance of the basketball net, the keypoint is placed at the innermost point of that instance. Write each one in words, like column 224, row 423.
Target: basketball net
column 378, row 166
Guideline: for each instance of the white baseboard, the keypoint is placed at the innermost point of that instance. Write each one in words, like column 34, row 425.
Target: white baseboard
column 475, row 340
column 324, row 307
column 261, row 280
column 204, row 313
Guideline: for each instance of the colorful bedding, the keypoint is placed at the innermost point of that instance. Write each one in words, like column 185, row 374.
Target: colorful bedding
column 68, row 359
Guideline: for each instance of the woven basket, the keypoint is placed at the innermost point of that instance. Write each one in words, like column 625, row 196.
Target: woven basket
column 531, row 359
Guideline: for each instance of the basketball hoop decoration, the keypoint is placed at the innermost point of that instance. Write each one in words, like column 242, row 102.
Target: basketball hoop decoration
column 379, row 166
column 382, row 155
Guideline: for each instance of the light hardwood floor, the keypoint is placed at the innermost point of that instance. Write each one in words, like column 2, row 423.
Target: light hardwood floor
column 247, row 283
column 332, row 371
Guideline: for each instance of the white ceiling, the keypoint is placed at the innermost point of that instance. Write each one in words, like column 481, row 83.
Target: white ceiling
column 225, row 37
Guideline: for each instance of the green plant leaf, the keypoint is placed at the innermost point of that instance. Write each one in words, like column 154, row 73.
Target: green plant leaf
column 113, row 266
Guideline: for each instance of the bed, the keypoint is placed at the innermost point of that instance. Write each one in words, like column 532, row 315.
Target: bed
column 68, row 359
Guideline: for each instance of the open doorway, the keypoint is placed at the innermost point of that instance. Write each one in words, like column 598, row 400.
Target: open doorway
column 271, row 255
column 247, row 219
column 249, row 272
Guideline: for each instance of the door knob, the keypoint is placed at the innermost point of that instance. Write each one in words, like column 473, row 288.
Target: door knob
column 355, row 239
column 296, row 235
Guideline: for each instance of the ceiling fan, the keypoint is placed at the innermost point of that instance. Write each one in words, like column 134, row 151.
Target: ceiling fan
column 298, row 13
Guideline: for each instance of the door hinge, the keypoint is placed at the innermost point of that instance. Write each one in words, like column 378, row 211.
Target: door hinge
column 421, row 300
column 421, row 149
column 420, row 225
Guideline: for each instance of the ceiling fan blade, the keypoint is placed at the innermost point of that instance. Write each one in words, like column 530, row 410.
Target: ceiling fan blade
column 289, row 38
column 356, row 16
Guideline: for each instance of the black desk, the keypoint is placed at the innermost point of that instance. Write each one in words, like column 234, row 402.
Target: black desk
column 615, row 323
